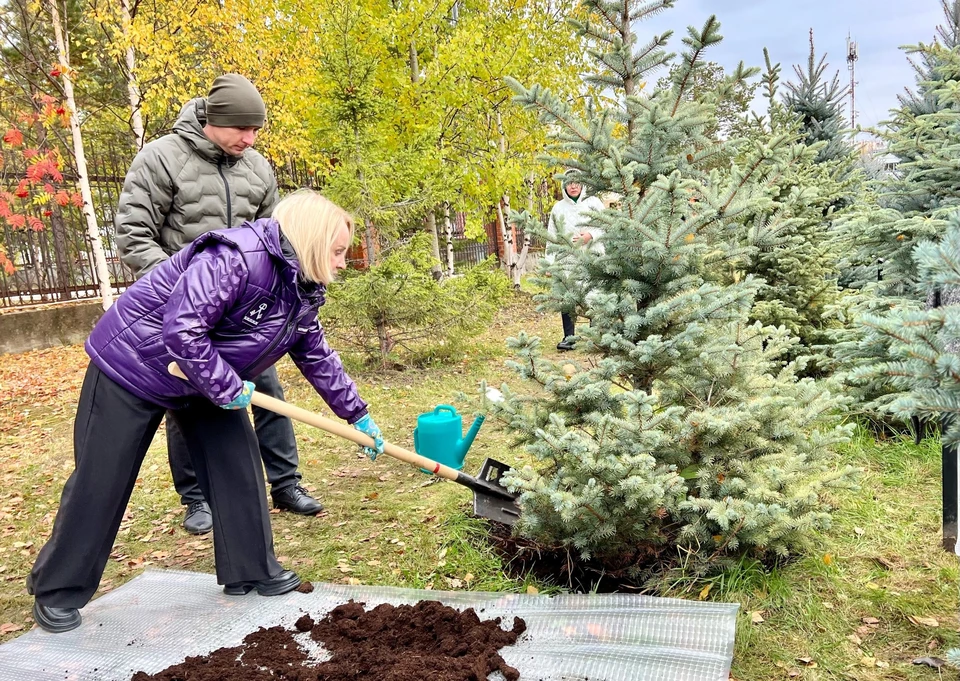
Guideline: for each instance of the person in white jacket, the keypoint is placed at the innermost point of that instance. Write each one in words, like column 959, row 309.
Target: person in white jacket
column 571, row 215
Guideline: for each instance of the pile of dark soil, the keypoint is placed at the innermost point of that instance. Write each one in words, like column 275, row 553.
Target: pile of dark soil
column 424, row 642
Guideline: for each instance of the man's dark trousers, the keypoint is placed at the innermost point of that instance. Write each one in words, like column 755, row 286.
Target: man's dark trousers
column 278, row 446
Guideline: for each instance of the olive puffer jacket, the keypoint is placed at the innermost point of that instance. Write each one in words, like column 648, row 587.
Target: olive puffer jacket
column 183, row 185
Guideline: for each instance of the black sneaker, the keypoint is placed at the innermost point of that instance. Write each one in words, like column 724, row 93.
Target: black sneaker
column 199, row 519
column 283, row 583
column 296, row 500
column 566, row 345
column 56, row 620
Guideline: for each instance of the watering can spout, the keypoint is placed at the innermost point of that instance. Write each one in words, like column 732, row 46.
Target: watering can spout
column 464, row 444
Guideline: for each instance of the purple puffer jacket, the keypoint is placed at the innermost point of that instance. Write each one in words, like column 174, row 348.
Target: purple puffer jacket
column 225, row 308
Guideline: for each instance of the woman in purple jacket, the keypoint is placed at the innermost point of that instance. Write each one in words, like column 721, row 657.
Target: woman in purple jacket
column 224, row 309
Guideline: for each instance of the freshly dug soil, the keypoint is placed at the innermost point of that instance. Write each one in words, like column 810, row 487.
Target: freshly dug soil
column 424, row 642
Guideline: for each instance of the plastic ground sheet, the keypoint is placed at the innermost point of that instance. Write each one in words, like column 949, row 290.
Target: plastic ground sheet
column 160, row 617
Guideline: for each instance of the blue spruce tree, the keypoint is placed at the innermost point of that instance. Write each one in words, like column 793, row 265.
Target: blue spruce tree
column 679, row 425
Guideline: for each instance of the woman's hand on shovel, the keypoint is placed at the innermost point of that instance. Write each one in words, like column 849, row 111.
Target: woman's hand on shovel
column 241, row 401
column 368, row 427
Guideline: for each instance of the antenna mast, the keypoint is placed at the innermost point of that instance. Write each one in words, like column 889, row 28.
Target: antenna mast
column 852, row 56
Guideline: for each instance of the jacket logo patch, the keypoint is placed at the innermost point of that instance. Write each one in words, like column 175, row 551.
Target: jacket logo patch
column 257, row 312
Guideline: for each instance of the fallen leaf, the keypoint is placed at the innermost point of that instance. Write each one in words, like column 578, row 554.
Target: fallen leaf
column 807, row 661
column 827, row 559
column 859, row 531
column 856, row 640
column 9, row 628
column 867, row 661
column 757, row 617
column 924, row 621
column 870, row 620
column 532, row 590
column 934, row 662
column 705, row 591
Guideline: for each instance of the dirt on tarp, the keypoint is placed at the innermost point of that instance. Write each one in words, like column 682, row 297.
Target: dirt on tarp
column 428, row 641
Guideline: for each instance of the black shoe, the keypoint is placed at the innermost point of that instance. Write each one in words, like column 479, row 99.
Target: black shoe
column 284, row 582
column 199, row 519
column 296, row 500
column 566, row 345
column 56, row 620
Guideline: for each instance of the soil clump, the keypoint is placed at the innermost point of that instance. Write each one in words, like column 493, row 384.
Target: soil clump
column 427, row 641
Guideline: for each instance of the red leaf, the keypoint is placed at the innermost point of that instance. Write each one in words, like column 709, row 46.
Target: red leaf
column 5, row 263
column 35, row 172
column 48, row 189
column 36, row 224
column 16, row 221
column 13, row 137
column 77, row 200
column 62, row 198
column 30, row 153
column 4, row 209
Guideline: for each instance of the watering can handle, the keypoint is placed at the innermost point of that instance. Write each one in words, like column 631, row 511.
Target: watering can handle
column 444, row 407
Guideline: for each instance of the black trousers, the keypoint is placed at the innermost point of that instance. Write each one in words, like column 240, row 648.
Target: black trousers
column 569, row 326
column 111, row 434
column 278, row 446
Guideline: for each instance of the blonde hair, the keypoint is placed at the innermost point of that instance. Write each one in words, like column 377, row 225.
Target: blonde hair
column 311, row 223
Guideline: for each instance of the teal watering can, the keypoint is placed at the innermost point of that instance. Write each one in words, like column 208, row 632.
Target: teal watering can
column 439, row 436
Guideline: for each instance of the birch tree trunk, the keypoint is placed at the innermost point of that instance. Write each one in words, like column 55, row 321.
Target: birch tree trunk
column 93, row 231
column 430, row 222
column 133, row 90
column 503, row 208
column 448, row 232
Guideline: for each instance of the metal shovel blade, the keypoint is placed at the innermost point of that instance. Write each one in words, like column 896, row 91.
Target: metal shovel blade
column 502, row 506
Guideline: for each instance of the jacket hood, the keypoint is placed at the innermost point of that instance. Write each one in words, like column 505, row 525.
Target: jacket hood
column 189, row 126
column 570, row 199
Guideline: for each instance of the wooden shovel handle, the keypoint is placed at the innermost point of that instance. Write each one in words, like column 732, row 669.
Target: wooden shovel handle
column 337, row 428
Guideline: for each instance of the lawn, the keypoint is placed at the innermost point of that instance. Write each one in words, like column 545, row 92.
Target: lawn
column 872, row 594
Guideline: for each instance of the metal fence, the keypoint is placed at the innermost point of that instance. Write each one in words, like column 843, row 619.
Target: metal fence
column 55, row 264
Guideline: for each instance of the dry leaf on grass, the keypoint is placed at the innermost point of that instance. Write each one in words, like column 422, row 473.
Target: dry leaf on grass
column 934, row 662
column 923, row 621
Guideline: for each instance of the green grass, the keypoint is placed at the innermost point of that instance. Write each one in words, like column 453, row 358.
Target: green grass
column 387, row 523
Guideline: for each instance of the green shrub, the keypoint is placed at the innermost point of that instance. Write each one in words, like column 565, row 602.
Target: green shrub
column 397, row 314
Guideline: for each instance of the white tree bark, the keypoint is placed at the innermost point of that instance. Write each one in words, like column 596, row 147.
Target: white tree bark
column 509, row 262
column 93, row 231
column 448, row 231
column 133, row 90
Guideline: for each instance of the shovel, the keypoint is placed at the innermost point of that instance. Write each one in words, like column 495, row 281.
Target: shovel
column 490, row 498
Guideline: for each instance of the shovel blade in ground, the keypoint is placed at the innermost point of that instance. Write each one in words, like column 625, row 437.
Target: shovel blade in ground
column 500, row 507
column 490, row 498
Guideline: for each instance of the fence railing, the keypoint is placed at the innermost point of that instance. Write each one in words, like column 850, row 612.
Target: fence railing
column 55, row 264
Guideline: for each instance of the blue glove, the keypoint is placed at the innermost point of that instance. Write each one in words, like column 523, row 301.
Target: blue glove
column 368, row 427
column 241, row 401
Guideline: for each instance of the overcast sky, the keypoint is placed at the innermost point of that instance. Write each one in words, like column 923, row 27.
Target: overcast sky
column 880, row 28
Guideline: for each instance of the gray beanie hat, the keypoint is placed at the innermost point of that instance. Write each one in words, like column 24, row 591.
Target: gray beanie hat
column 234, row 102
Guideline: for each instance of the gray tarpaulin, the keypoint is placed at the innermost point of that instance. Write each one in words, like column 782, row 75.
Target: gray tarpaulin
column 160, row 617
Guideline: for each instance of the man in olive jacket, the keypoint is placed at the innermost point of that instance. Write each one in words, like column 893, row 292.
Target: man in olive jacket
column 205, row 176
